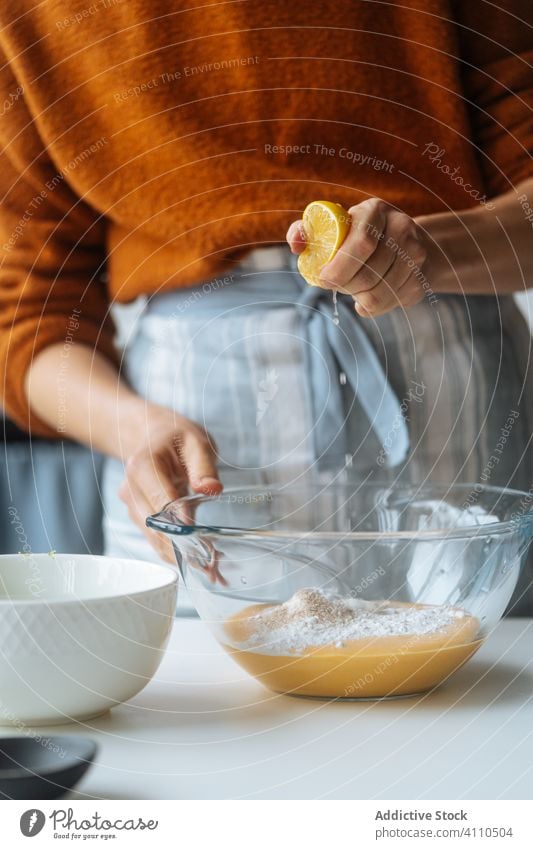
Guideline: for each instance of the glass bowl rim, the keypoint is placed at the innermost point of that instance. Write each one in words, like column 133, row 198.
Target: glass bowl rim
column 161, row 521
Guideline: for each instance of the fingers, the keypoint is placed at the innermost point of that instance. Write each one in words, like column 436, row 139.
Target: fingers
column 138, row 509
column 412, row 291
column 390, row 277
column 177, row 453
column 296, row 237
column 373, row 272
column 196, row 454
column 214, row 574
column 383, row 262
column 368, row 225
column 400, row 287
column 406, row 256
column 161, row 472
column 155, row 476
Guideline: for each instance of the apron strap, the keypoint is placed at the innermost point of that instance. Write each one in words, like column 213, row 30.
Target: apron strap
column 354, row 355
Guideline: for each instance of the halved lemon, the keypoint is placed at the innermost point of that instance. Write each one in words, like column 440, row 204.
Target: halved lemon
column 325, row 226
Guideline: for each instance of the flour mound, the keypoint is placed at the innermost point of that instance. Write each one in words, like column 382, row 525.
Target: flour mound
column 313, row 618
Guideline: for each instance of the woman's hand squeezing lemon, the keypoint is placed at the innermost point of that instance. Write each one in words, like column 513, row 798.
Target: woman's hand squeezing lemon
column 372, row 252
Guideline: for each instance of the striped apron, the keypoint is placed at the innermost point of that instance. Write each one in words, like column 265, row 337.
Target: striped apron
column 286, row 389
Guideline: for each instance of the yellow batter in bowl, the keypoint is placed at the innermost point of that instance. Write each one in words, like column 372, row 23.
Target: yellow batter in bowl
column 366, row 667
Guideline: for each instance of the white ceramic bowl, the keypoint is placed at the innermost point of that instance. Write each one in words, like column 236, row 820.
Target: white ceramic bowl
column 79, row 633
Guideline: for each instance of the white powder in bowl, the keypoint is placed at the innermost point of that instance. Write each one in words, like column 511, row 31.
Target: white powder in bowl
column 314, row 618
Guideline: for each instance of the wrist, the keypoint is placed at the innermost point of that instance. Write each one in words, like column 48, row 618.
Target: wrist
column 128, row 425
column 138, row 421
column 123, row 424
column 455, row 245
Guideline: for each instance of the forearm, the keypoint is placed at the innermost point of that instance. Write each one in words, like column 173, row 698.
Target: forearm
column 82, row 397
column 483, row 250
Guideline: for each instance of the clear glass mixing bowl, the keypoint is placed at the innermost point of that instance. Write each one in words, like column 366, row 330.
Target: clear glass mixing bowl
column 456, row 548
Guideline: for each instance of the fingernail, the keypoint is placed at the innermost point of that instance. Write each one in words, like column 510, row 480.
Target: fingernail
column 296, row 231
column 209, row 483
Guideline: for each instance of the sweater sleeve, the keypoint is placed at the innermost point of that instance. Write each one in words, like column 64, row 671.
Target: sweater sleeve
column 496, row 49
column 51, row 259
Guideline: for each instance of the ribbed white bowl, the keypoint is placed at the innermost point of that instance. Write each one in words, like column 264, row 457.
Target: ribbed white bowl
column 79, row 633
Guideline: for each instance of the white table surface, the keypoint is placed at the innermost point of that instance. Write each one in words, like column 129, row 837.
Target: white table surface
column 203, row 729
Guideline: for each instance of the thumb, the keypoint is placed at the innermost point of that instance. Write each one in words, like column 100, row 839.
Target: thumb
column 296, row 237
column 200, row 463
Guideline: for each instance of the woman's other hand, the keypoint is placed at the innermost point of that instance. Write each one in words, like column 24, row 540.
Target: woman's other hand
column 165, row 455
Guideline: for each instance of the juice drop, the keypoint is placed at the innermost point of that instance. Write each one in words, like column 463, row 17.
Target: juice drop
column 335, row 309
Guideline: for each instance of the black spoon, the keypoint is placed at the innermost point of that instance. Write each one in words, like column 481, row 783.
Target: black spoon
column 43, row 767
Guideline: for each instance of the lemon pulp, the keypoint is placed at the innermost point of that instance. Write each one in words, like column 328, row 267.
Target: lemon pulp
column 325, row 225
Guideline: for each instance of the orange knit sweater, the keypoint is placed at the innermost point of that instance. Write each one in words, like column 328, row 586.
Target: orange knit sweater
column 157, row 141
